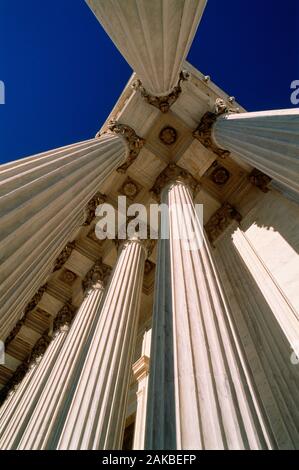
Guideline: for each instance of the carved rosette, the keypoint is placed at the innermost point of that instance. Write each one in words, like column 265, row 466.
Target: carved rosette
column 174, row 173
column 221, row 220
column 29, row 307
column 203, row 132
column 91, row 207
column 260, row 180
column 134, row 142
column 64, row 256
column 97, row 277
column 163, row 103
column 64, row 318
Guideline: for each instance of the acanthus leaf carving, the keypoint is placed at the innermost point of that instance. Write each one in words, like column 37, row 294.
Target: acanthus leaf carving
column 163, row 103
column 260, row 180
column 203, row 132
column 97, row 276
column 174, row 173
column 134, row 142
column 64, row 256
column 220, row 220
column 91, row 207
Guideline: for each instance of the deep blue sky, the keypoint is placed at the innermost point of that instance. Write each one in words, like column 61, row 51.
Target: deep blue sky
column 63, row 74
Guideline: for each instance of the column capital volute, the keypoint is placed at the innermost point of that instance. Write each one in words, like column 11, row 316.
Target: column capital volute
column 134, row 143
column 141, row 368
column 90, row 209
column 64, row 318
column 97, row 277
column 147, row 244
column 204, row 131
column 171, row 176
column 165, row 101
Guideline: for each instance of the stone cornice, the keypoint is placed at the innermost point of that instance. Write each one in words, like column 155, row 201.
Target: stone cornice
column 29, row 307
column 171, row 174
column 97, row 277
column 163, row 103
column 134, row 142
column 203, row 132
column 34, row 357
column 141, row 368
column 220, row 220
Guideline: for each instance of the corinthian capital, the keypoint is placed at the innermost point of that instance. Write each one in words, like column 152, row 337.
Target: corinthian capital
column 90, row 209
column 173, row 174
column 203, row 132
column 64, row 318
column 163, row 103
column 134, row 142
column 97, row 277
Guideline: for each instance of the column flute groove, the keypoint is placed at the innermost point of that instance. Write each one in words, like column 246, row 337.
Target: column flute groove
column 97, row 414
column 201, row 396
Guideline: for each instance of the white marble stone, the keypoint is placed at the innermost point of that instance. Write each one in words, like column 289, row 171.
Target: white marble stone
column 200, row 392
column 153, row 36
column 267, row 140
column 47, row 418
column 141, row 371
column 97, row 413
column 267, row 348
column 41, row 203
column 18, row 408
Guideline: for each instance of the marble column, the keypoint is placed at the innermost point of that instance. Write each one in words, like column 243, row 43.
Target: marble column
column 154, row 37
column 200, row 391
column 96, row 416
column 21, row 403
column 141, row 371
column 46, row 420
column 267, row 140
column 267, row 348
column 42, row 205
column 286, row 316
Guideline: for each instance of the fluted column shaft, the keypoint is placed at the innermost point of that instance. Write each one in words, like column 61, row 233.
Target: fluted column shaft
column 267, row 348
column 267, row 140
column 20, row 405
column 42, row 201
column 141, row 371
column 97, row 413
column 47, row 419
column 200, row 394
column 154, row 37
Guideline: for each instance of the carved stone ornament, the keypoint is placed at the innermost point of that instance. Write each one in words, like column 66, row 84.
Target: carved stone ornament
column 203, row 132
column 33, row 358
column 260, row 180
column 90, row 210
column 174, row 173
column 134, row 142
column 221, row 220
column 64, row 317
column 97, row 276
column 220, row 175
column 64, row 256
column 147, row 243
column 168, row 135
column 29, row 307
column 163, row 103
